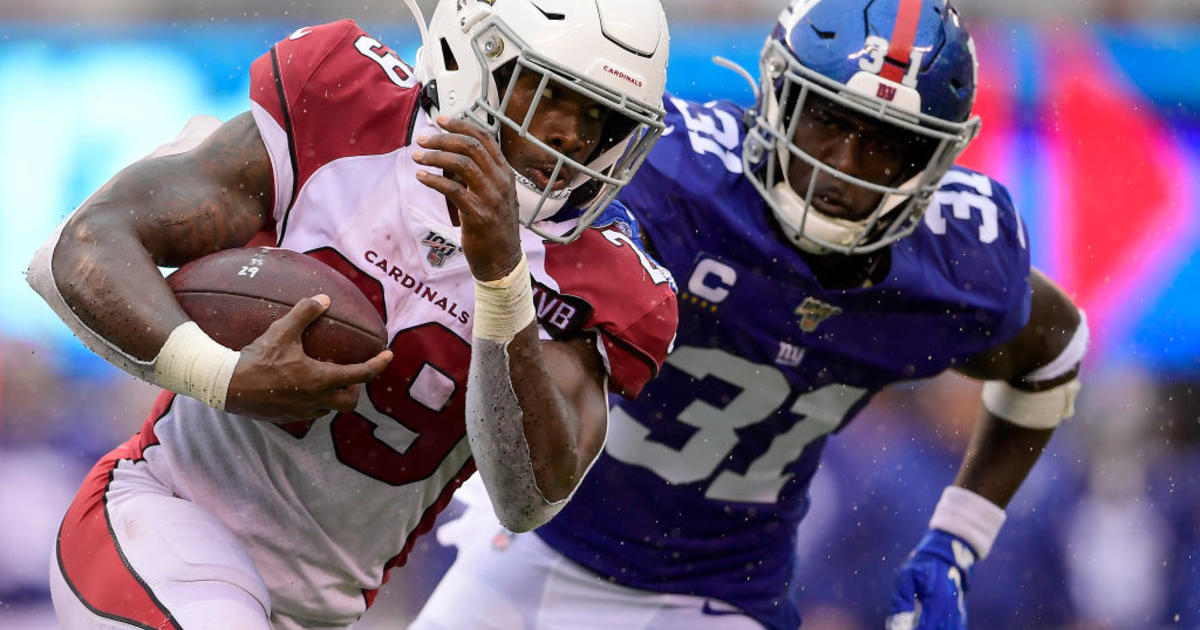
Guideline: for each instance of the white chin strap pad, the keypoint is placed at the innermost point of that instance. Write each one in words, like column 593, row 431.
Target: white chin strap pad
column 818, row 227
column 529, row 196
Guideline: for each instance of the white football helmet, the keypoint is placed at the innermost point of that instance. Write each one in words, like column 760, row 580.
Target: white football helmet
column 614, row 52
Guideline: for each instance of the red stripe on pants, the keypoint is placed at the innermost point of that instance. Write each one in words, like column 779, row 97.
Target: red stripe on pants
column 91, row 559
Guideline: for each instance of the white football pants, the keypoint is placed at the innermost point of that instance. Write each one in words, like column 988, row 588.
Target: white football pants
column 131, row 555
column 504, row 581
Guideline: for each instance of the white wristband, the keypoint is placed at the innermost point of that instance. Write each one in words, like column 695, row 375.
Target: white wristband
column 193, row 364
column 968, row 516
column 504, row 307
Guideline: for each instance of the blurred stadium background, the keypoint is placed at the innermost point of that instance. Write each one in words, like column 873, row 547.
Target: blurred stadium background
column 1091, row 114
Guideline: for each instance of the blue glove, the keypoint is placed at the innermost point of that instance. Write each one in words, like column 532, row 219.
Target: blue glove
column 928, row 594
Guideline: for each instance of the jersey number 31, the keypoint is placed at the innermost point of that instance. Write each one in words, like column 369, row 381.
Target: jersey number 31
column 764, row 391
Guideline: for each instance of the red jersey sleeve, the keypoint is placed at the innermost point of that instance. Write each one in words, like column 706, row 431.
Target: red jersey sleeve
column 608, row 284
column 328, row 92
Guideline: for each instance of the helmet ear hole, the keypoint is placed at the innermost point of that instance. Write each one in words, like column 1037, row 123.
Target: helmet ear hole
column 584, row 194
column 616, row 129
column 448, row 56
column 503, row 75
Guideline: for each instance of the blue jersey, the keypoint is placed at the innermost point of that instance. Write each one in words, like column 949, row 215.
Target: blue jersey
column 705, row 476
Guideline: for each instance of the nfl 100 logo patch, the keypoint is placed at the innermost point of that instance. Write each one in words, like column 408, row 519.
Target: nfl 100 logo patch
column 440, row 248
column 813, row 311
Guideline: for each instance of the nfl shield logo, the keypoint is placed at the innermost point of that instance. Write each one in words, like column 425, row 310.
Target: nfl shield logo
column 813, row 311
column 440, row 248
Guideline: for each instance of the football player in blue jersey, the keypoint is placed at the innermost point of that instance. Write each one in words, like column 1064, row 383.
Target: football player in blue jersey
column 826, row 247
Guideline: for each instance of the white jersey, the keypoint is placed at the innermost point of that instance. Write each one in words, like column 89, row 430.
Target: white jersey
column 325, row 507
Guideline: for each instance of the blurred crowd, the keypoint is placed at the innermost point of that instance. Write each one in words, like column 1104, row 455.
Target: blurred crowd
column 1102, row 536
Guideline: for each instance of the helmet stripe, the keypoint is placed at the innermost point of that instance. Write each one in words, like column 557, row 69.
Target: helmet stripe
column 903, row 34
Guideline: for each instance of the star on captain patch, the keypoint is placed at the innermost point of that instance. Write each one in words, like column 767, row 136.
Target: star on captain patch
column 813, row 311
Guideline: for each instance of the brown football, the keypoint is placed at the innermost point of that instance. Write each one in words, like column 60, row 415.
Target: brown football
column 235, row 294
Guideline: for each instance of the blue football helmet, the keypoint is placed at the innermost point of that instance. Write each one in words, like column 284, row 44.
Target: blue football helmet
column 909, row 65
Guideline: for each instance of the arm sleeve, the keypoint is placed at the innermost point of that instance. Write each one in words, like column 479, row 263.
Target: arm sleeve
column 495, row 430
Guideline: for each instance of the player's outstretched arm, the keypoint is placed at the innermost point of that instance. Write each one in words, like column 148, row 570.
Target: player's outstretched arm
column 1031, row 385
column 536, row 412
column 100, row 274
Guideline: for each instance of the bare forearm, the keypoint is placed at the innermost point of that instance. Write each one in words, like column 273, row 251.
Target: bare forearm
column 1002, row 452
column 107, row 278
column 162, row 211
column 1000, row 456
column 551, row 426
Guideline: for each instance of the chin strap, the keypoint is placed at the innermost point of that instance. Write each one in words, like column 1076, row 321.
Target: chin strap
column 530, row 204
column 794, row 213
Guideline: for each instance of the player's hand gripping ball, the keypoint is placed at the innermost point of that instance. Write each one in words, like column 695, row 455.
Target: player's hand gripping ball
column 928, row 594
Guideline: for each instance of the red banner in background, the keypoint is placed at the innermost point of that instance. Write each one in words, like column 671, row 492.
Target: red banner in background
column 1105, row 187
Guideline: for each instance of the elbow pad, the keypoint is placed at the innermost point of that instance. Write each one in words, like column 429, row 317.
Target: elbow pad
column 1042, row 409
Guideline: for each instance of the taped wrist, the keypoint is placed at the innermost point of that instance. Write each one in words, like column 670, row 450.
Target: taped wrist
column 504, row 307
column 970, row 517
column 192, row 364
column 496, row 432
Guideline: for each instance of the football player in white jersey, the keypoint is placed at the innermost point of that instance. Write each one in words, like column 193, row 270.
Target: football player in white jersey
column 270, row 490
